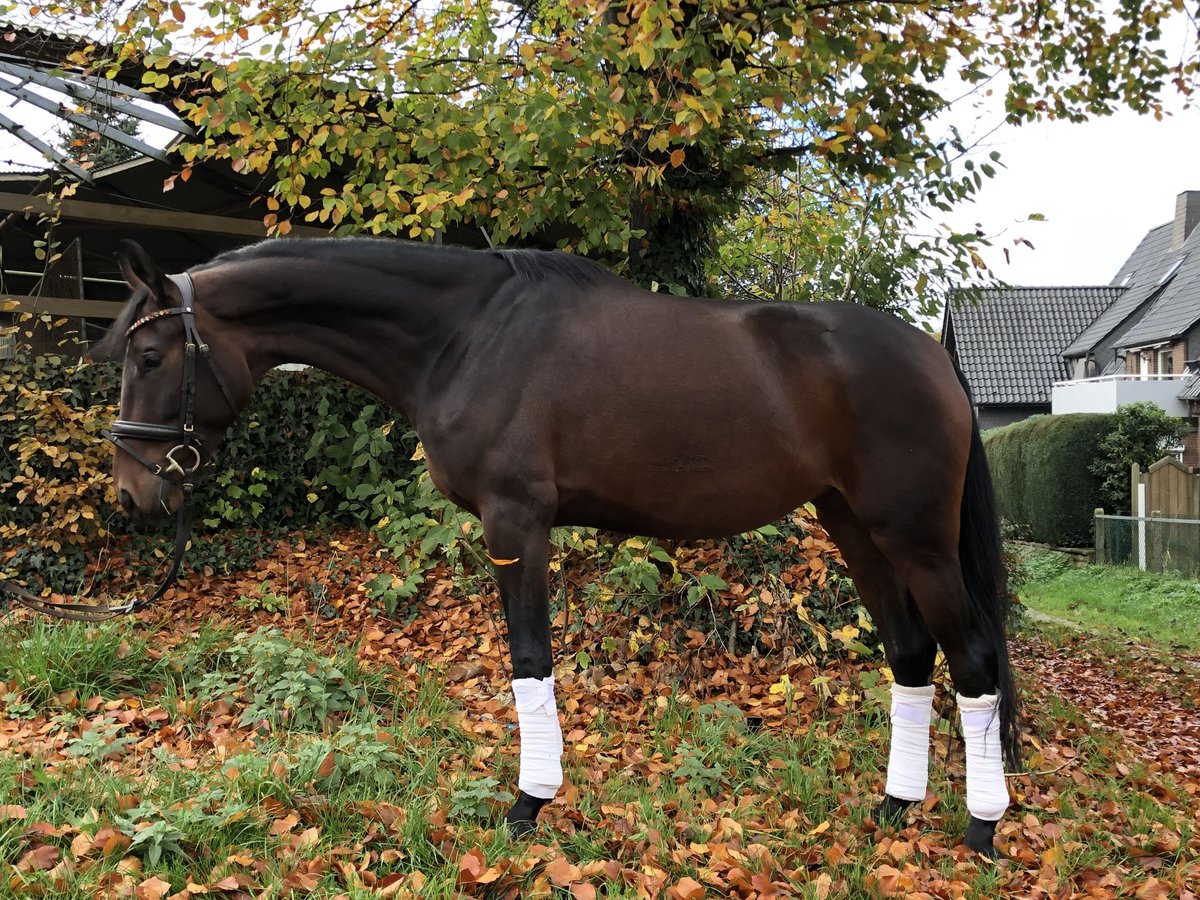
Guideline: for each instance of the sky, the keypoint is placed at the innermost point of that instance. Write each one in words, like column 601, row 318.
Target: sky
column 1101, row 185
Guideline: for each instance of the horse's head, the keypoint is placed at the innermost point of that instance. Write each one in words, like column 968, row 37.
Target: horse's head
column 179, row 393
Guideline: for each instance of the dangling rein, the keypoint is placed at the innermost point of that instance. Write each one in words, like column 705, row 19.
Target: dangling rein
column 188, row 442
column 83, row 612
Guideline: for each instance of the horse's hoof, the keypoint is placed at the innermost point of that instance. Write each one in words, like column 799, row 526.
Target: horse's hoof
column 522, row 818
column 892, row 810
column 980, row 835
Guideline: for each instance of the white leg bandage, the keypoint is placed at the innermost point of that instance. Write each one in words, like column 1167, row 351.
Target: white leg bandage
column 541, row 737
column 987, row 794
column 908, row 763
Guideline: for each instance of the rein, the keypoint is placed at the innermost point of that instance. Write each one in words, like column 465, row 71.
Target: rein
column 178, row 471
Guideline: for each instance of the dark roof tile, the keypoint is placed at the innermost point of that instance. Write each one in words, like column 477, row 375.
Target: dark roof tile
column 1140, row 275
column 1177, row 307
column 1009, row 342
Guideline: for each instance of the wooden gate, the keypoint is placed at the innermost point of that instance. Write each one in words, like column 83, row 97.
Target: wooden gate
column 1168, row 488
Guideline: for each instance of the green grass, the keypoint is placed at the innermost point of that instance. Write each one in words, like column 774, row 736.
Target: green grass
column 209, row 793
column 1158, row 609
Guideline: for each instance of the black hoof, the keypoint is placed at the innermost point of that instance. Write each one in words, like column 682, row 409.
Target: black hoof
column 522, row 818
column 980, row 835
column 891, row 811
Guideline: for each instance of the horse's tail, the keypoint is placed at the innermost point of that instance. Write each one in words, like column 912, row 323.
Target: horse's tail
column 981, row 554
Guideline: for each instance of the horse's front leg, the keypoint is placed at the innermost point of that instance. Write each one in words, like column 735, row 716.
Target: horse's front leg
column 518, row 539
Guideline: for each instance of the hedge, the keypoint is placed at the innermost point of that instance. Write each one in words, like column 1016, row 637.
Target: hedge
column 309, row 449
column 1041, row 469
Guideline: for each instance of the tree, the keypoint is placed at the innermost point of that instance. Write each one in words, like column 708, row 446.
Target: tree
column 637, row 126
column 90, row 148
column 1142, row 433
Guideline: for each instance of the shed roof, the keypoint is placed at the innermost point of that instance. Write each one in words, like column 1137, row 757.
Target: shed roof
column 1009, row 341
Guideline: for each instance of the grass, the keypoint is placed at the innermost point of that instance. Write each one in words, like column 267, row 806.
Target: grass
column 134, row 762
column 1163, row 610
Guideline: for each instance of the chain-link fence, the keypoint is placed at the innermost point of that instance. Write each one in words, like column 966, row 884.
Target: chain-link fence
column 1151, row 543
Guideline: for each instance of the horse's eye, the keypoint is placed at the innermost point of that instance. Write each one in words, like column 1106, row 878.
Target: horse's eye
column 151, row 361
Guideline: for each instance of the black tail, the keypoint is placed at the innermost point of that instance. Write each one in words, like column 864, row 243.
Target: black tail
column 981, row 554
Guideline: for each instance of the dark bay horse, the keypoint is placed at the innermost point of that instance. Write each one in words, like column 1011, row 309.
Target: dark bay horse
column 548, row 392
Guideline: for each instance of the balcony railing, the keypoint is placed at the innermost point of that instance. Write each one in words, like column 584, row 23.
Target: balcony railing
column 1108, row 392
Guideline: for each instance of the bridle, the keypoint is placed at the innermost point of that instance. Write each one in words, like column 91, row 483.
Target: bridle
column 185, row 433
column 177, row 470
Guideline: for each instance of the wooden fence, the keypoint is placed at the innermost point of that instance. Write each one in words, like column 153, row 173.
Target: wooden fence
column 1168, row 489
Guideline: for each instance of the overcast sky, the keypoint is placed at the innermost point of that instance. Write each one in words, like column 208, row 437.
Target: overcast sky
column 1101, row 186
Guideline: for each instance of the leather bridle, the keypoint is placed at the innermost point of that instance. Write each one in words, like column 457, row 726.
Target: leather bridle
column 177, row 470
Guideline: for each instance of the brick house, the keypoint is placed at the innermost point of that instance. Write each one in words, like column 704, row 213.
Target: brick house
column 1028, row 350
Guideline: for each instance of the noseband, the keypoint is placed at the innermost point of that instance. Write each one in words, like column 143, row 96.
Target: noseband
column 182, row 461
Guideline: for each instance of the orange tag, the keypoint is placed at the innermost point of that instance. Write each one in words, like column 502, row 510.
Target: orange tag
column 503, row 562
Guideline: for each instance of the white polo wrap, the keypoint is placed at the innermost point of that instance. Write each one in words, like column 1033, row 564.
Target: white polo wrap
column 541, row 737
column 908, row 762
column 987, row 794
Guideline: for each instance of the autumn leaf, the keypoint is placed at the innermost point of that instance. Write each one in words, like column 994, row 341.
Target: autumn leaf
column 686, row 889
column 471, row 866
column 39, row 859
column 328, row 764
column 561, row 872
column 153, row 888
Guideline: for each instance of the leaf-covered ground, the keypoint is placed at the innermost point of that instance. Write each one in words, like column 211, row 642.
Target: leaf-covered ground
column 271, row 735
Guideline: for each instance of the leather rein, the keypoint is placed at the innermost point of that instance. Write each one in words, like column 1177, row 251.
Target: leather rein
column 183, row 460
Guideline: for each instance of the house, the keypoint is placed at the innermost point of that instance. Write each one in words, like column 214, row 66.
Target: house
column 1028, row 350
column 1009, row 341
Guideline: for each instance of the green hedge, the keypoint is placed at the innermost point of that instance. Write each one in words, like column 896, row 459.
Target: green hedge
column 309, row 448
column 1041, row 468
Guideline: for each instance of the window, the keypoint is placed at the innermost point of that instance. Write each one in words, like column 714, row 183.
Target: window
column 1164, row 363
column 1170, row 273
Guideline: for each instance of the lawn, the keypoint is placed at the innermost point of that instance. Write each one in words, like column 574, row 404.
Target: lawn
column 1163, row 610
column 276, row 749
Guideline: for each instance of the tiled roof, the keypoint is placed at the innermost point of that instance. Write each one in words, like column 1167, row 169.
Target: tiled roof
column 1177, row 308
column 1009, row 341
column 1139, row 275
column 1190, row 389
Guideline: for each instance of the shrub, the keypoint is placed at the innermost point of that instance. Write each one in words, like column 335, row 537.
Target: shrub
column 1141, row 433
column 310, row 449
column 280, row 681
column 1046, row 490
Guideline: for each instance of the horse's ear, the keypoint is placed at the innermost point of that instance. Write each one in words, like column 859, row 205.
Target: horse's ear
column 143, row 272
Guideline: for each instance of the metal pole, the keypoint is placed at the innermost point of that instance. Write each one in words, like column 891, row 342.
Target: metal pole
column 1141, row 524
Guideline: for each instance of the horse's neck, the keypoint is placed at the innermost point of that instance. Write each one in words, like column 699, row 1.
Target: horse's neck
column 378, row 331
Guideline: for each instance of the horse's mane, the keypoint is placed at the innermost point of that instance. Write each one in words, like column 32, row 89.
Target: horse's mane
column 387, row 255
column 381, row 254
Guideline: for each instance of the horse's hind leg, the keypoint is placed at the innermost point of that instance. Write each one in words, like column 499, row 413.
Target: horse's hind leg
column 936, row 584
column 910, row 650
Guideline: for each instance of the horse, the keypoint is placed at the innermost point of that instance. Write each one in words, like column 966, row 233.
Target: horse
column 548, row 391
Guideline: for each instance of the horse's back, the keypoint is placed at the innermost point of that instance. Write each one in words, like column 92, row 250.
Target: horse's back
column 682, row 417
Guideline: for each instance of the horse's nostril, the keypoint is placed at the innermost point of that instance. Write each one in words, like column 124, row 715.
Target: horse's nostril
column 127, row 501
